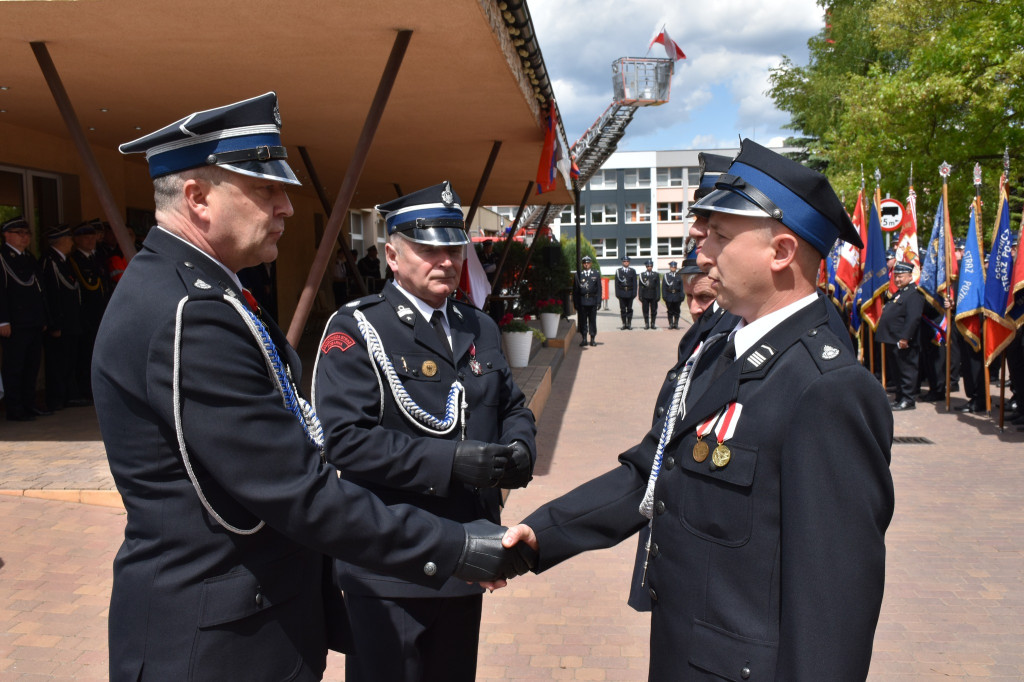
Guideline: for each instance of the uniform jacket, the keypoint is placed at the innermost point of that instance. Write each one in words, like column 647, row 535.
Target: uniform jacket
column 901, row 316
column 625, row 283
column 672, row 287
column 373, row 444
column 192, row 600
column 63, row 294
column 22, row 302
column 650, row 286
column 587, row 288
column 771, row 567
column 92, row 278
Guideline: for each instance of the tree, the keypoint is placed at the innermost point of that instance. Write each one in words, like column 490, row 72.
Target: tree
column 892, row 83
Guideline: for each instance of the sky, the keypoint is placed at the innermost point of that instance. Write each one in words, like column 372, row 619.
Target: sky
column 718, row 91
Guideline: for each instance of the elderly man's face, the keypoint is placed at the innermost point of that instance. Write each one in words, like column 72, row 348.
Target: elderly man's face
column 431, row 273
column 902, row 279
column 700, row 295
column 246, row 219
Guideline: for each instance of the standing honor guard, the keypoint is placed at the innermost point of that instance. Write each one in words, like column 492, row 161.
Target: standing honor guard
column 898, row 327
column 672, row 292
column 419, row 406
column 219, row 460
column 64, row 301
column 23, row 320
column 625, row 291
column 92, row 278
column 587, row 297
column 650, row 294
column 767, row 499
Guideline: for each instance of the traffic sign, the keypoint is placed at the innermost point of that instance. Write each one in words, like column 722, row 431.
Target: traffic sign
column 891, row 215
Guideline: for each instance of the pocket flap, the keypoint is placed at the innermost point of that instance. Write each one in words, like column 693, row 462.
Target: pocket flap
column 728, row 655
column 241, row 594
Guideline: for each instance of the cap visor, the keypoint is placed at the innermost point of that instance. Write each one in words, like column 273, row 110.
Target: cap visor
column 727, row 201
column 274, row 169
column 436, row 236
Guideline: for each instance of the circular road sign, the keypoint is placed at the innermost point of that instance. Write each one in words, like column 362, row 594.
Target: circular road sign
column 891, row 215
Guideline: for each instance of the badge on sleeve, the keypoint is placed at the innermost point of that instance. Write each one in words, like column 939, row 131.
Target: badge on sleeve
column 338, row 340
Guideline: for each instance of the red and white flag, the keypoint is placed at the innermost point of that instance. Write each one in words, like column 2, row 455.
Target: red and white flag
column 671, row 48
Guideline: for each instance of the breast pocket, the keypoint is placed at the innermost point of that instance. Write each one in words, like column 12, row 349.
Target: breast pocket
column 717, row 504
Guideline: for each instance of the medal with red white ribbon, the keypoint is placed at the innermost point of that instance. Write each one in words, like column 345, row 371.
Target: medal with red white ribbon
column 700, row 448
column 721, row 456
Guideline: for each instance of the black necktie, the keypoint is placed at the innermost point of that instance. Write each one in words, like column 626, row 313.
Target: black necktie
column 437, row 322
column 705, row 373
column 725, row 359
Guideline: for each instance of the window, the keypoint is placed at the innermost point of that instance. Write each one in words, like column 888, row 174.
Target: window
column 694, row 176
column 670, row 211
column 638, row 246
column 355, row 231
column 605, row 248
column 604, row 179
column 670, row 177
column 603, row 214
column 566, row 217
column 638, row 178
column 638, row 213
column 671, row 246
column 34, row 195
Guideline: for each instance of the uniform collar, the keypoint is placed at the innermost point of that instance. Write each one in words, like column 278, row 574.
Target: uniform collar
column 232, row 275
column 746, row 335
column 422, row 306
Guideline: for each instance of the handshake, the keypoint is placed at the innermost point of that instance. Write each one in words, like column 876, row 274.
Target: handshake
column 490, row 465
column 493, row 554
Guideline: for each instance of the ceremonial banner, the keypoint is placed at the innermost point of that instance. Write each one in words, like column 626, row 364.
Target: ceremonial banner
column 849, row 270
column 869, row 299
column 999, row 330
column 971, row 292
column 1015, row 300
column 546, row 168
column 933, row 268
column 907, row 248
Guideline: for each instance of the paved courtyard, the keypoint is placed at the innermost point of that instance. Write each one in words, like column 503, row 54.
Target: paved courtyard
column 954, row 601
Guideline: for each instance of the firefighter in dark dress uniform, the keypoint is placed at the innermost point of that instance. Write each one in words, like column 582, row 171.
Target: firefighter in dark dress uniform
column 95, row 287
column 759, row 565
column 64, row 335
column 587, row 297
column 418, row 405
column 625, row 291
column 23, row 320
column 650, row 294
column 230, row 507
column 672, row 292
column 897, row 328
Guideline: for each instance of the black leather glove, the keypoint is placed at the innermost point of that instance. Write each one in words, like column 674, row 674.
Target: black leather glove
column 519, row 469
column 480, row 464
column 484, row 559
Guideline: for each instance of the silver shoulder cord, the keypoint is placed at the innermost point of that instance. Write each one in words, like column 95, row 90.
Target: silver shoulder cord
column 10, row 273
column 455, row 406
column 282, row 378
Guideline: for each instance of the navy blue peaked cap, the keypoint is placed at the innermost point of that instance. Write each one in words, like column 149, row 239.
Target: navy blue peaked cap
column 711, row 166
column 429, row 216
column 17, row 223
column 903, row 267
column 244, row 137
column 762, row 183
column 58, row 231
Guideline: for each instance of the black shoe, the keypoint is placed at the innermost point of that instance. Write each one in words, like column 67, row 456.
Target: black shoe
column 905, row 404
column 40, row 413
column 931, row 397
column 954, row 387
column 623, row 327
column 969, row 407
column 79, row 402
column 654, row 326
column 647, row 326
column 592, row 342
column 583, row 342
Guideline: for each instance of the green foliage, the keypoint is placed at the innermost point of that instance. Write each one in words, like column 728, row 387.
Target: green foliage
column 914, row 82
column 586, row 249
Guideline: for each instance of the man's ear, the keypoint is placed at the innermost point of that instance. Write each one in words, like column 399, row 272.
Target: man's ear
column 785, row 246
column 197, row 195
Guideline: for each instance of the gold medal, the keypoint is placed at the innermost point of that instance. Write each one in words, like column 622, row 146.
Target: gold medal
column 429, row 368
column 721, row 456
column 700, row 451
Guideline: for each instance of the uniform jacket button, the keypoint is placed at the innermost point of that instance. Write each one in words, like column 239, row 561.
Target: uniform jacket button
column 671, row 376
column 661, row 411
column 259, row 599
column 745, row 673
column 490, row 365
column 462, row 376
column 654, row 595
column 654, row 550
column 431, row 491
column 430, row 568
column 670, row 463
column 659, row 507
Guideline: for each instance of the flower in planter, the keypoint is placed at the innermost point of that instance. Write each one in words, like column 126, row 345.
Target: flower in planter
column 512, row 324
column 551, row 305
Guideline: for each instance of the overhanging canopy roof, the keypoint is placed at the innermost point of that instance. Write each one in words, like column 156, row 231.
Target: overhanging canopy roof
column 147, row 63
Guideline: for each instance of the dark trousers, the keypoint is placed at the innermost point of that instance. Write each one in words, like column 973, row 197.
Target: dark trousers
column 672, row 312
column 413, row 640
column 61, row 368
column 972, row 370
column 23, row 350
column 650, row 308
column 587, row 316
column 904, row 371
column 932, row 363
column 626, row 311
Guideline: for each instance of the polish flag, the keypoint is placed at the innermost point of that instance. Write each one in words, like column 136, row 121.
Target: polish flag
column 671, row 48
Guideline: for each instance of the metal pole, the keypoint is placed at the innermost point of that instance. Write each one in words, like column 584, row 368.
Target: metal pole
column 350, row 260
column 348, row 186
column 488, row 167
column 92, row 168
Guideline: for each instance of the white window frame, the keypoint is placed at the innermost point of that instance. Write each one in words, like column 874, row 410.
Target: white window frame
column 672, row 216
column 608, row 214
column 638, row 247
column 637, row 178
column 670, row 176
column 671, row 246
column 638, row 212
column 604, row 179
column 605, row 248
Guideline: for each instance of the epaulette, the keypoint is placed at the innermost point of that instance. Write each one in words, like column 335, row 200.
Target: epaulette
column 200, row 287
column 361, row 303
column 828, row 352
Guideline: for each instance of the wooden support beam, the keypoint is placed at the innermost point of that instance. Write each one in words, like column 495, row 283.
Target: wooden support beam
column 484, row 177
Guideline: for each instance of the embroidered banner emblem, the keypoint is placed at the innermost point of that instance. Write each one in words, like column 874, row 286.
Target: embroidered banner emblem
column 337, row 340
